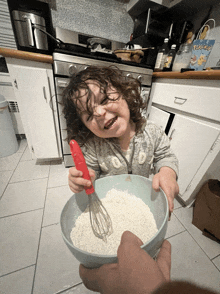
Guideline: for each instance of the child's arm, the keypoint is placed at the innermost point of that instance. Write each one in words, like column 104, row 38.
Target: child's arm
column 166, row 179
column 165, row 165
column 76, row 182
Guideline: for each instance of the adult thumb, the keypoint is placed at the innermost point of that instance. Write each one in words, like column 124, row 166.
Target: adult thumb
column 129, row 237
column 129, row 241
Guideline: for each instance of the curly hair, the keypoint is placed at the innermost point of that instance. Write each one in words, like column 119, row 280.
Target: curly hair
column 127, row 87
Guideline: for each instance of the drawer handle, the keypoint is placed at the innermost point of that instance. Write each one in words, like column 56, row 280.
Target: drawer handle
column 45, row 95
column 62, row 84
column 179, row 100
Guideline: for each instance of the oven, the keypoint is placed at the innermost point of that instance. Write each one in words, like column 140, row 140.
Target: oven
column 68, row 63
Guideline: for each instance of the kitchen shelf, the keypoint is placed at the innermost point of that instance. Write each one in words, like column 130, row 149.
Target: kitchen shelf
column 206, row 74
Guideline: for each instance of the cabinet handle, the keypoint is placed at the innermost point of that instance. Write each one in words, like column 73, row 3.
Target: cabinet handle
column 170, row 137
column 45, row 96
column 15, row 84
column 62, row 84
column 179, row 100
column 5, row 84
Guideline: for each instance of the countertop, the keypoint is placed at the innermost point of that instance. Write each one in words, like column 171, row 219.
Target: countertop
column 206, row 74
column 6, row 52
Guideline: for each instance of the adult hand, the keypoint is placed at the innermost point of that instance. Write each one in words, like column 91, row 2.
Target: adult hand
column 76, row 181
column 166, row 179
column 135, row 272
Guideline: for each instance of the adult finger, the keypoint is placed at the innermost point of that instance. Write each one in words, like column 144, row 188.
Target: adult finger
column 95, row 279
column 164, row 259
column 129, row 243
column 129, row 237
column 89, row 278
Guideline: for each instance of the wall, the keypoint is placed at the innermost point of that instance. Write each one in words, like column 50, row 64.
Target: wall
column 102, row 18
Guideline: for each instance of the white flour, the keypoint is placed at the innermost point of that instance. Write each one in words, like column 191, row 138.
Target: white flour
column 127, row 212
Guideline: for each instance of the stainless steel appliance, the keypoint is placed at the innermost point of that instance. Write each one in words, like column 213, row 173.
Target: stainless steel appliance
column 28, row 28
column 68, row 62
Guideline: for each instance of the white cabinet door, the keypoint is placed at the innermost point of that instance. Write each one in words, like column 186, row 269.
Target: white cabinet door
column 159, row 117
column 191, row 141
column 34, row 87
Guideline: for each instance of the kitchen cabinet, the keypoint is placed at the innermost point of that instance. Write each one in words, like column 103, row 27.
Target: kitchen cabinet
column 34, row 89
column 172, row 8
column 190, row 114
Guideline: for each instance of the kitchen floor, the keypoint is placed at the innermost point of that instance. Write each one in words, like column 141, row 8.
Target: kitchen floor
column 35, row 259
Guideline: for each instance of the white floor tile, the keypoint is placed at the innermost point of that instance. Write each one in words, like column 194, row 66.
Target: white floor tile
column 19, row 240
column 185, row 215
column 55, row 201
column 189, row 262
column 26, row 155
column 29, row 170
column 23, row 196
column 22, row 282
column 79, row 289
column 4, row 179
column 216, row 261
column 9, row 162
column 57, row 269
column 22, row 144
column 58, row 175
column 174, row 227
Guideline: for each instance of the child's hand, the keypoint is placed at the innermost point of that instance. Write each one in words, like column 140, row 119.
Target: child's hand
column 166, row 179
column 76, row 182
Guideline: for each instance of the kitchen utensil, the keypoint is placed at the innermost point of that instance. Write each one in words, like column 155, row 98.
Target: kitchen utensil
column 64, row 46
column 130, row 55
column 142, row 49
column 139, row 186
column 99, row 217
column 25, row 35
column 95, row 41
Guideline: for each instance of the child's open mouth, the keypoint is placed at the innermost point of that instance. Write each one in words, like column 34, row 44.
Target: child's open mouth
column 110, row 123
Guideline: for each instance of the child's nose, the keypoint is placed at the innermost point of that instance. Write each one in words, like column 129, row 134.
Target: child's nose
column 100, row 110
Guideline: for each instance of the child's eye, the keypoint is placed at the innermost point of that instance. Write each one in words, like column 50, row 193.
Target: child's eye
column 89, row 117
column 105, row 100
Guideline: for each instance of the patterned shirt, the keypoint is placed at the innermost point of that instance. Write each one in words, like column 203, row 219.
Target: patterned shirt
column 147, row 153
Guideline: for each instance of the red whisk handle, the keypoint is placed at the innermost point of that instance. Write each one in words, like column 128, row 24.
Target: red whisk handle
column 80, row 164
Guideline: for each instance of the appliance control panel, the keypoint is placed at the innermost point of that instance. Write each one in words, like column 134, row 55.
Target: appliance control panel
column 67, row 69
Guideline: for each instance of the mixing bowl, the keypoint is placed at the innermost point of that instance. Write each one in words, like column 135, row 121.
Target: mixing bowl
column 139, row 186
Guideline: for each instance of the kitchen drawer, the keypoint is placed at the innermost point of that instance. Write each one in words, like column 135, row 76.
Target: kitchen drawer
column 7, row 91
column 201, row 101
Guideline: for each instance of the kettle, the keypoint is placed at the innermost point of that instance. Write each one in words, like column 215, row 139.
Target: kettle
column 27, row 34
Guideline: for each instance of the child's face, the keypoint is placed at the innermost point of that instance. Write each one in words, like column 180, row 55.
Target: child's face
column 110, row 119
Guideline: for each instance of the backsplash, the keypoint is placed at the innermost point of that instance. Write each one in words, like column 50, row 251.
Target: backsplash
column 102, row 18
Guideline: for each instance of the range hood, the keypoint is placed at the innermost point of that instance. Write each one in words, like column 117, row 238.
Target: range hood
column 174, row 8
column 134, row 7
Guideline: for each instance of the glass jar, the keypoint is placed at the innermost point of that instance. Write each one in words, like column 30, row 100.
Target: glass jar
column 183, row 57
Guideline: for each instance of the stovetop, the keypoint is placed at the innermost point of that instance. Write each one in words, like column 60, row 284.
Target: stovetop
column 101, row 56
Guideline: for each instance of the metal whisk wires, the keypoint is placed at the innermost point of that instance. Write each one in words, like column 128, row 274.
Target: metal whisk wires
column 99, row 218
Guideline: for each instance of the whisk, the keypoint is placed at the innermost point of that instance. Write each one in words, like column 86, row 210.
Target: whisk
column 99, row 218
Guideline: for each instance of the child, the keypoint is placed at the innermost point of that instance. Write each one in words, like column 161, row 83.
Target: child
column 103, row 110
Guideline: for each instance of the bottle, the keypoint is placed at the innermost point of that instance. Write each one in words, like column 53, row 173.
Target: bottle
column 168, row 63
column 183, row 57
column 161, row 56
